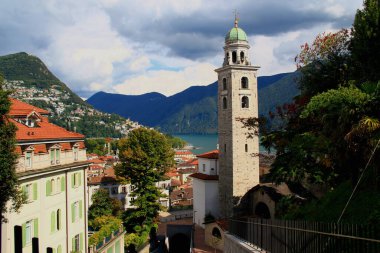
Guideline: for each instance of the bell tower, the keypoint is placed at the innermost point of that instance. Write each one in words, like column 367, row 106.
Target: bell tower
column 237, row 98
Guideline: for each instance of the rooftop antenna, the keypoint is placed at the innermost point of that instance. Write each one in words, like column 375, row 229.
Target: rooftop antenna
column 236, row 18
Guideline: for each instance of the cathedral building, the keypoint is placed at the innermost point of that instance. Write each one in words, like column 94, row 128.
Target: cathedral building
column 237, row 99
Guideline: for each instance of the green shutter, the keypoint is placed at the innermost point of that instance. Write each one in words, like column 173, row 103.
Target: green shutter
column 60, row 218
column 79, row 179
column 34, row 191
column 73, row 243
column 81, row 241
column 72, row 212
column 23, row 234
column 62, row 184
column 72, row 180
column 117, row 247
column 51, row 154
column 48, row 187
column 59, row 249
column 52, row 222
column 35, row 226
column 80, row 209
column 110, row 250
column 57, row 154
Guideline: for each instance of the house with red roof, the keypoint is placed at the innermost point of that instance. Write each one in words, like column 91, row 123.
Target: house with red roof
column 205, row 187
column 51, row 170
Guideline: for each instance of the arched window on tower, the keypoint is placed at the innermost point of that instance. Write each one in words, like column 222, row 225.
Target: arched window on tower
column 227, row 58
column 244, row 82
column 234, row 57
column 224, row 84
column 224, row 103
column 244, row 102
column 242, row 57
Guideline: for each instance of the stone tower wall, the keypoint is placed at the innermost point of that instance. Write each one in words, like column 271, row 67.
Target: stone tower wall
column 239, row 168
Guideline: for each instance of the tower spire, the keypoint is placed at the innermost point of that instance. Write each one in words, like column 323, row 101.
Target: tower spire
column 236, row 18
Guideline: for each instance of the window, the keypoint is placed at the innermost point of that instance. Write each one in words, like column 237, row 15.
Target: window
column 124, row 189
column 28, row 159
column 55, row 155
column 242, row 57
column 58, row 184
column 224, row 103
column 244, row 82
column 225, row 147
column 28, row 231
column 76, row 210
column 75, row 150
column 216, row 233
column 224, row 84
column 28, row 191
column 234, row 56
column 59, row 219
column 244, row 102
column 75, row 179
column 53, row 188
column 246, row 147
column 204, row 167
column 76, row 243
column 114, row 190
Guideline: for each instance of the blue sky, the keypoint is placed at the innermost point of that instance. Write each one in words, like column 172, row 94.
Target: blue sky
column 134, row 47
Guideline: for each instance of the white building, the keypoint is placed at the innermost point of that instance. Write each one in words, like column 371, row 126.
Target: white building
column 205, row 187
column 52, row 173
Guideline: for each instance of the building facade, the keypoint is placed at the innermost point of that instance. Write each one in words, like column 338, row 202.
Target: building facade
column 52, row 174
column 237, row 99
column 205, row 188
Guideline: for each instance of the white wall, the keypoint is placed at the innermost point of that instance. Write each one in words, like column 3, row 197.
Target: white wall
column 206, row 199
column 208, row 166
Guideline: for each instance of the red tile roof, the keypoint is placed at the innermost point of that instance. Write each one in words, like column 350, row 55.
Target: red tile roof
column 175, row 182
column 214, row 154
column 183, row 152
column 40, row 148
column 19, row 108
column 204, row 176
column 43, row 129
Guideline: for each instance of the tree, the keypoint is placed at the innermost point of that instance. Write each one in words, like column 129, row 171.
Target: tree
column 103, row 205
column 325, row 63
column 9, row 184
column 365, row 43
column 145, row 157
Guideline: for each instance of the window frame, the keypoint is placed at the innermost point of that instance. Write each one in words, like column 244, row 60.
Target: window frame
column 245, row 104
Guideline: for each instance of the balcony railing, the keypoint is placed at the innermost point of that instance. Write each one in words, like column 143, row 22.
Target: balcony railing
column 281, row 236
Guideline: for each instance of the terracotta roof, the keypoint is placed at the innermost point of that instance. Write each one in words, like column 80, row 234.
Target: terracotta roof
column 19, row 108
column 43, row 129
column 183, row 152
column 97, row 161
column 187, row 171
column 175, row 182
column 183, row 194
column 65, row 145
column 40, row 148
column 214, row 154
column 204, row 176
column 18, row 150
column 95, row 167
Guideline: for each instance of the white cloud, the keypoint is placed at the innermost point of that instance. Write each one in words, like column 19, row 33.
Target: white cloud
column 168, row 82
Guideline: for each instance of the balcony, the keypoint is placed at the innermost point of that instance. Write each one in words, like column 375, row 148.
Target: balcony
column 43, row 161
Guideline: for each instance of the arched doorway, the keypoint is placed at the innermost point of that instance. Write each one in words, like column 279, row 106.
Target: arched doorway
column 179, row 243
column 262, row 211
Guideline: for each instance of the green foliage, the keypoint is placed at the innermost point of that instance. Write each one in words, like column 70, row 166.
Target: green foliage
column 363, row 208
column 8, row 158
column 98, row 147
column 105, row 226
column 365, row 44
column 102, row 205
column 145, row 156
column 175, row 142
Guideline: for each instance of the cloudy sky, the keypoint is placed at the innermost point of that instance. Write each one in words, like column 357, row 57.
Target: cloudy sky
column 134, row 47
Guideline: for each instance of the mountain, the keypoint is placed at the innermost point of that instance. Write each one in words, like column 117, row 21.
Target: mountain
column 31, row 81
column 193, row 110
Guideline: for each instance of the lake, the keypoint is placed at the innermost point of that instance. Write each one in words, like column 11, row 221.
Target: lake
column 203, row 142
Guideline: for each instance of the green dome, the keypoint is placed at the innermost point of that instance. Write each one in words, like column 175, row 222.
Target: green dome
column 235, row 34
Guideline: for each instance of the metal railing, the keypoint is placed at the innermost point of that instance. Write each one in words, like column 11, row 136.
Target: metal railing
column 282, row 236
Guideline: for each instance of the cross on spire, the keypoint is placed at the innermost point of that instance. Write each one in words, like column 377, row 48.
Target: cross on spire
column 236, row 18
